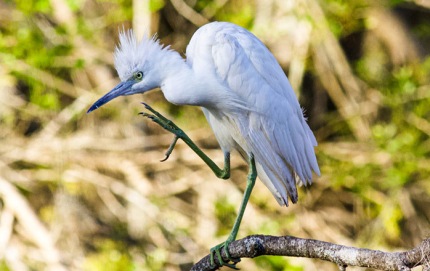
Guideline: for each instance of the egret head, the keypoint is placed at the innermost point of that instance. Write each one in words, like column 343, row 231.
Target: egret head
column 137, row 65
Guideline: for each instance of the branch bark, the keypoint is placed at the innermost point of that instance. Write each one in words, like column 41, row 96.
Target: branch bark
column 257, row 245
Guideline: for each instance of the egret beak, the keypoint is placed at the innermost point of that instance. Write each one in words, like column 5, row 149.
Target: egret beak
column 121, row 89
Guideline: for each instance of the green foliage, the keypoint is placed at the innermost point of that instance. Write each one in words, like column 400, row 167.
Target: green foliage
column 238, row 12
column 34, row 6
column 344, row 17
column 109, row 257
column 74, row 4
column 399, row 131
column 401, row 134
column 156, row 5
column 225, row 212
column 42, row 45
column 157, row 259
column 276, row 264
column 4, row 266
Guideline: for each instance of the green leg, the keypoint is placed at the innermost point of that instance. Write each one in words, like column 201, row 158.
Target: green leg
column 221, row 173
column 171, row 127
column 252, row 175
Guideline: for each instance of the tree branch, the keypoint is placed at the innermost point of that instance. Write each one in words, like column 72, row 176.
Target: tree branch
column 257, row 245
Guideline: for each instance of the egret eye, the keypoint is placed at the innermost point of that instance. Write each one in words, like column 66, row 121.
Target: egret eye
column 138, row 75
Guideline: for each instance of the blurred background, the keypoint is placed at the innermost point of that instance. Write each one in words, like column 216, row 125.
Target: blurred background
column 87, row 192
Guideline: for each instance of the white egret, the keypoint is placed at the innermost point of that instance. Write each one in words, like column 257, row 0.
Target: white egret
column 245, row 96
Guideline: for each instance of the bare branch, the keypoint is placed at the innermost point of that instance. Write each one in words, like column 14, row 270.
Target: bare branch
column 257, row 245
column 189, row 13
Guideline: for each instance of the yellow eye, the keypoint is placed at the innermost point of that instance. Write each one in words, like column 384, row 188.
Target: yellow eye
column 138, row 75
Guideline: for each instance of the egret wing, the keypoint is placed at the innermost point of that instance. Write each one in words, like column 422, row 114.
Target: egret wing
column 274, row 127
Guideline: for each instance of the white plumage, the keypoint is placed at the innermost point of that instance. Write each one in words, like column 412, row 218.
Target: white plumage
column 244, row 94
column 270, row 122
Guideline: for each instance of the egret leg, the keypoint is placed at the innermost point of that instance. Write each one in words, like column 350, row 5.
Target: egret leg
column 179, row 133
column 216, row 251
column 221, row 173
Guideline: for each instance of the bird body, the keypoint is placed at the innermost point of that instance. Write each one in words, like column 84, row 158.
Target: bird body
column 245, row 96
column 244, row 93
column 265, row 118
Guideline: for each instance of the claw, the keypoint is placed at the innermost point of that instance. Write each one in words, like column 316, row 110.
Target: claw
column 163, row 118
column 217, row 251
column 146, row 115
column 170, row 149
column 166, row 124
column 165, row 158
column 147, row 106
column 154, row 118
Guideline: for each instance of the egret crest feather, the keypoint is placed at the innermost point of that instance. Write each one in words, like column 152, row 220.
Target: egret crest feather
column 132, row 55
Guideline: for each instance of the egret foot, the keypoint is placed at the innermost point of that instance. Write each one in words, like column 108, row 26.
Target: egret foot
column 167, row 125
column 179, row 134
column 216, row 251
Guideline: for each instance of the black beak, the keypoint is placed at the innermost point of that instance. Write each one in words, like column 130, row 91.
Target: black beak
column 121, row 89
